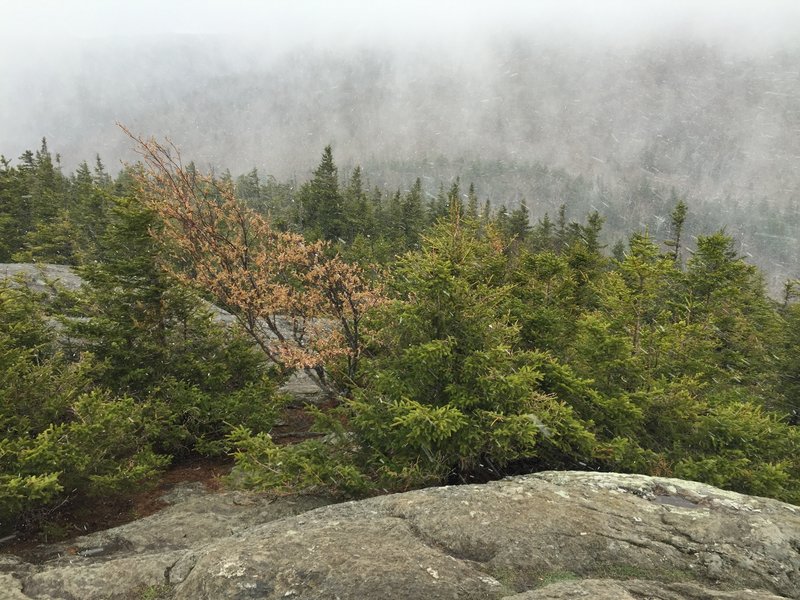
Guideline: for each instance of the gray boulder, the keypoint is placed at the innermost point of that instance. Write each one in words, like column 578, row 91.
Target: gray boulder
column 651, row 537
column 125, row 560
column 42, row 277
column 553, row 535
column 48, row 278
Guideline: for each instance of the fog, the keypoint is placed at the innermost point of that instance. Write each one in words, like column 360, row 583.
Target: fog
column 703, row 97
column 244, row 84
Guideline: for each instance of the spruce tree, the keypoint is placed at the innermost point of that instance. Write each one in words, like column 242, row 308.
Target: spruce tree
column 501, row 219
column 156, row 342
column 63, row 439
column 562, row 229
column 677, row 220
column 449, row 390
column 358, row 215
column 413, row 217
column 472, row 203
column 438, row 207
column 455, row 206
column 542, row 235
column 15, row 215
column 518, row 226
column 486, row 213
column 248, row 188
column 323, row 209
column 591, row 232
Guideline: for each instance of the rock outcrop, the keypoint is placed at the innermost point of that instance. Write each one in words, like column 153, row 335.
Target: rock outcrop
column 48, row 278
column 124, row 561
column 549, row 535
column 42, row 277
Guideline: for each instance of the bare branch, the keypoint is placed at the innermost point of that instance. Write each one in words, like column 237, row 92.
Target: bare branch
column 301, row 306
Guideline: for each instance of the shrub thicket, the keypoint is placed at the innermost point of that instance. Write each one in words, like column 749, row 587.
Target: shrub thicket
column 500, row 345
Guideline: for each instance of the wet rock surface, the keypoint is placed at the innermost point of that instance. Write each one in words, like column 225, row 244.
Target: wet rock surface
column 550, row 535
column 120, row 562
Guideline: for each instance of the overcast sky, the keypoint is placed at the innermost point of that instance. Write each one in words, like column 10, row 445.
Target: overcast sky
column 284, row 22
column 63, row 58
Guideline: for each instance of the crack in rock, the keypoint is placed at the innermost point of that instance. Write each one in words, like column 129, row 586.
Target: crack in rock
column 473, row 555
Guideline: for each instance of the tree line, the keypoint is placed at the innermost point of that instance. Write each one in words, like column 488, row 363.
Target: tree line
column 459, row 342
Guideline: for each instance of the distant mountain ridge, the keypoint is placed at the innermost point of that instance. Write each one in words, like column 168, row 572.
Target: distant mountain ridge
column 719, row 126
column 687, row 113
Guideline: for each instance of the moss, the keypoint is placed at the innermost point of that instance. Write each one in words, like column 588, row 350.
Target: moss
column 163, row 591
column 556, row 576
column 520, row 579
column 623, row 572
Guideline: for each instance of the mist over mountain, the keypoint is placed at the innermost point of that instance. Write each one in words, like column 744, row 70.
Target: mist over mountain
column 714, row 116
column 682, row 110
column 405, row 244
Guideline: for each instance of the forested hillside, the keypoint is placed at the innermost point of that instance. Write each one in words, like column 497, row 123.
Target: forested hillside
column 613, row 125
column 458, row 341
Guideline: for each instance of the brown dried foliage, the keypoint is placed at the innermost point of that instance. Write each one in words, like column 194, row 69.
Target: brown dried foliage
column 302, row 306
